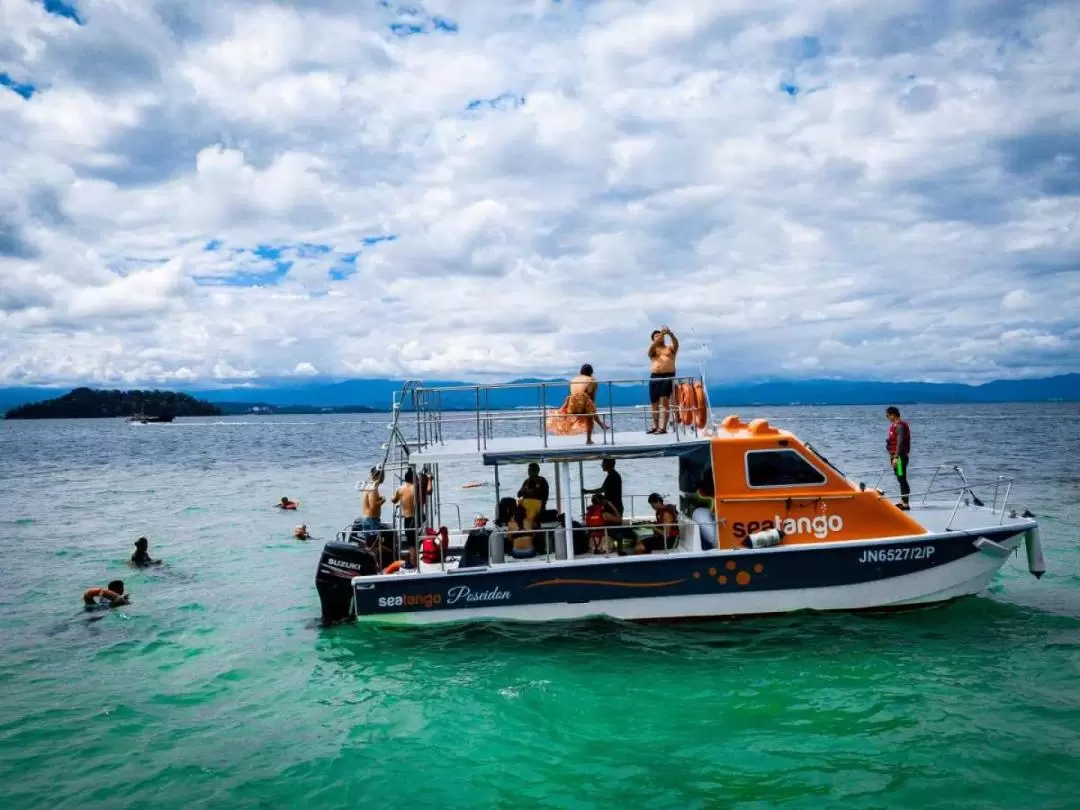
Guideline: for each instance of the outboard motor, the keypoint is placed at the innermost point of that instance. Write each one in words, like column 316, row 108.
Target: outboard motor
column 341, row 562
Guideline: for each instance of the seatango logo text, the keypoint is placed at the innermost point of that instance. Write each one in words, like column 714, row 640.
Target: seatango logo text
column 819, row 526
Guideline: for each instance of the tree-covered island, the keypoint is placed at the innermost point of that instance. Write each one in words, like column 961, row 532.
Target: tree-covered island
column 86, row 403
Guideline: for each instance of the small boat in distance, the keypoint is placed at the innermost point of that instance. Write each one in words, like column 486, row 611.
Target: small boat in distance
column 143, row 419
column 759, row 523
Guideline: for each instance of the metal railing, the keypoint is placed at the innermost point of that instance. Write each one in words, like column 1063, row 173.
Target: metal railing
column 479, row 406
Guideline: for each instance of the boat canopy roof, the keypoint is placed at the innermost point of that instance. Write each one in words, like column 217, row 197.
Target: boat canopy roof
column 523, row 449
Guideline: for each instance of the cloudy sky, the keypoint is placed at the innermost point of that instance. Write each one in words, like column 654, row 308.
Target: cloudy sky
column 219, row 191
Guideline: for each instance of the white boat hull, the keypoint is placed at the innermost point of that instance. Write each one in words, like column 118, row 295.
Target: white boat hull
column 966, row 575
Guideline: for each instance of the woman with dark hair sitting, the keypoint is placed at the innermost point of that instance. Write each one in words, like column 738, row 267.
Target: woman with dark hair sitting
column 519, row 531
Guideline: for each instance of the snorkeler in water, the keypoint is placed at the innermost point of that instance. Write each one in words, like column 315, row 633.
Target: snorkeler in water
column 141, row 557
column 286, row 504
column 110, row 596
column 301, row 532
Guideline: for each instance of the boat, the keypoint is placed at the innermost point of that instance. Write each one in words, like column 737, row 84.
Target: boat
column 143, row 419
column 763, row 523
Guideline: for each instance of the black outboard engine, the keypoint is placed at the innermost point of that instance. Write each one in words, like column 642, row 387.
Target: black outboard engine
column 339, row 564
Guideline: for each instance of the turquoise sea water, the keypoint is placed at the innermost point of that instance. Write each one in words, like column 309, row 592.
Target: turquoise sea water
column 217, row 688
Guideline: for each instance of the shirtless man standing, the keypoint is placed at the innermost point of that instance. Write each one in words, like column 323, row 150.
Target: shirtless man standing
column 406, row 496
column 371, row 508
column 662, row 363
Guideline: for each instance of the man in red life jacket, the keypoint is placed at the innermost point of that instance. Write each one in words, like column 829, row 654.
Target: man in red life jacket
column 898, row 444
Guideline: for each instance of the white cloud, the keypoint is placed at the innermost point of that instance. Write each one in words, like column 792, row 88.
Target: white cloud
column 192, row 192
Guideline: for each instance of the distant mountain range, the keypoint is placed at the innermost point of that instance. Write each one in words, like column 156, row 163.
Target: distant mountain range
column 376, row 394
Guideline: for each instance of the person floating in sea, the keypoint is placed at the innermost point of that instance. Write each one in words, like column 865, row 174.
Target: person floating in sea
column 285, row 503
column 898, row 443
column 662, row 377
column 110, row 596
column 301, row 532
column 141, row 556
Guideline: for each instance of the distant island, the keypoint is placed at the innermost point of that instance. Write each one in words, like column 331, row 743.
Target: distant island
column 375, row 395
column 86, row 403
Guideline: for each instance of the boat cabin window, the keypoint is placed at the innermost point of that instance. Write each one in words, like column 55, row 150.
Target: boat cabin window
column 780, row 468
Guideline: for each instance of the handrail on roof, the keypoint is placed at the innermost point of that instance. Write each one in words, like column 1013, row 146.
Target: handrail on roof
column 543, row 383
column 433, row 407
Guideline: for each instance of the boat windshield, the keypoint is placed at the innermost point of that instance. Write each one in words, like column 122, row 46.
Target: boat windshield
column 817, row 453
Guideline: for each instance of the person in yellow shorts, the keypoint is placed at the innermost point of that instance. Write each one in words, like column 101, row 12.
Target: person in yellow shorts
column 533, row 495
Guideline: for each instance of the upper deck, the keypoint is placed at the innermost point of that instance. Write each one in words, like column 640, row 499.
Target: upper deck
column 518, row 422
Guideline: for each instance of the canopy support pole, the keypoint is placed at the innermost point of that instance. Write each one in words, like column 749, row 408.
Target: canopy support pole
column 568, row 519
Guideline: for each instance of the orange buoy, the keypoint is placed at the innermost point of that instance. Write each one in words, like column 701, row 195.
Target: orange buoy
column 701, row 413
column 392, row 567
column 686, row 412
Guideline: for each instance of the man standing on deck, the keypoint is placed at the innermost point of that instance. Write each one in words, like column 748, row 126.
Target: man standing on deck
column 406, row 497
column 662, row 364
column 898, row 444
column 611, row 489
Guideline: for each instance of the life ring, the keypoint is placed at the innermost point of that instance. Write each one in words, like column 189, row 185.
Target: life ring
column 392, row 567
column 686, row 410
column 701, row 413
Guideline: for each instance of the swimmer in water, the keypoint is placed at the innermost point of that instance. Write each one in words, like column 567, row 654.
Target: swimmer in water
column 141, row 557
column 111, row 596
column 286, row 504
column 301, row 532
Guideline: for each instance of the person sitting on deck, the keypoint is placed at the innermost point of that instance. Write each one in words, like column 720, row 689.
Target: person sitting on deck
column 598, row 517
column 520, row 533
column 666, row 532
column 533, row 494
column 141, row 557
column 578, row 413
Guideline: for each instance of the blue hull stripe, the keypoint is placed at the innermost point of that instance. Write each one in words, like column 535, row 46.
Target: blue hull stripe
column 665, row 576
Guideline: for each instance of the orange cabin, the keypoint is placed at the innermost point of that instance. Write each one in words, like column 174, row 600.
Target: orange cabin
column 765, row 478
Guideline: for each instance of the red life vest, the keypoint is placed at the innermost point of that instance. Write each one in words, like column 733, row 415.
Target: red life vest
column 670, row 518
column 289, row 505
column 434, row 546
column 594, row 516
column 893, row 444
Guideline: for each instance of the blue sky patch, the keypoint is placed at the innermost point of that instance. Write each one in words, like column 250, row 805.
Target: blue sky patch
column 346, row 262
column 416, row 21
column 24, row 90
column 213, row 244
column 345, row 267
column 61, row 9
column 506, row 101
column 789, row 88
